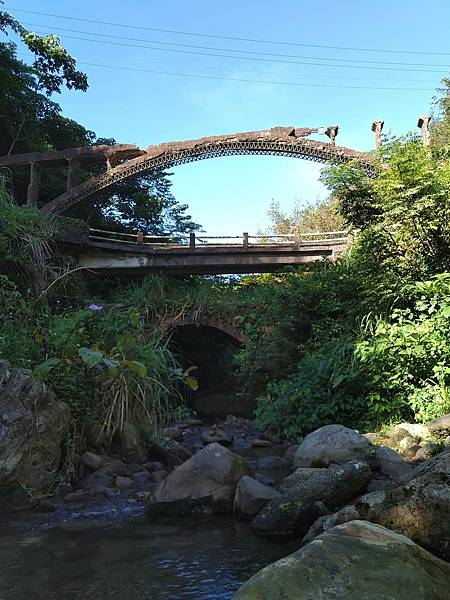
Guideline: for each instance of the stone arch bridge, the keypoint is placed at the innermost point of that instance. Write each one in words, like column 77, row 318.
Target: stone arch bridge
column 125, row 160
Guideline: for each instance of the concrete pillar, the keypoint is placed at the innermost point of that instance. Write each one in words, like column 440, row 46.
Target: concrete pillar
column 34, row 185
column 377, row 128
column 73, row 173
column 331, row 131
column 245, row 240
column 424, row 123
column 192, row 240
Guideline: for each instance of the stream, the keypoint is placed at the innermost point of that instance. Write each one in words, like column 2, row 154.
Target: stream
column 130, row 558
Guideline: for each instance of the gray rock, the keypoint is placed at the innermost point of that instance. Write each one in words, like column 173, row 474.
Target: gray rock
column 113, row 467
column 271, row 462
column 215, row 435
column 123, row 482
column 390, row 463
column 295, row 511
column 298, row 477
column 260, row 443
column 290, row 453
column 173, row 433
column 251, row 496
column 322, row 524
column 140, row 477
column 353, row 561
column 440, row 427
column 33, row 426
column 96, row 482
column 205, row 482
column 91, row 460
column 414, row 430
column 333, row 444
column 421, row 508
column 426, row 451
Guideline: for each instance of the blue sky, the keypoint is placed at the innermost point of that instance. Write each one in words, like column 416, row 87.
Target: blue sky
column 231, row 195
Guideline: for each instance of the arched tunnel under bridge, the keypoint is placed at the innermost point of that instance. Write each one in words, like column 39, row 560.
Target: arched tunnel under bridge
column 213, row 351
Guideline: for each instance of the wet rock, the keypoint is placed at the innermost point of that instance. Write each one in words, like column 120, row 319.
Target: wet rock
column 421, row 508
column 251, row 496
column 96, row 481
column 134, row 468
column 290, row 454
column 142, row 496
column 390, row 463
column 153, row 466
column 271, row 462
column 91, row 460
column 333, row 444
column 113, row 467
column 75, row 496
column 205, row 482
column 140, row 477
column 353, row 561
column 216, row 435
column 123, row 482
column 260, row 443
column 33, row 426
column 295, row 511
column 298, row 477
column 440, row 427
column 159, row 475
column 173, row 456
column 264, row 479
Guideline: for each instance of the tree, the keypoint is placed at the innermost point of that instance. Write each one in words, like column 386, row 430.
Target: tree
column 321, row 215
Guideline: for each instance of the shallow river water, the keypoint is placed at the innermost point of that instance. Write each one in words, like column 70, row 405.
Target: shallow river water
column 131, row 559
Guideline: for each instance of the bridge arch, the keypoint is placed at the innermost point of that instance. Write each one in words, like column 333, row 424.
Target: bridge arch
column 278, row 141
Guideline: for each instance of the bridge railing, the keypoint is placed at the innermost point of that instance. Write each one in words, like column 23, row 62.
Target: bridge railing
column 194, row 240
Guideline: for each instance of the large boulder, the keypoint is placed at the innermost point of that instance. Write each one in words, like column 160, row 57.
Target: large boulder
column 391, row 463
column 251, row 496
column 333, row 444
column 206, row 483
column 440, row 427
column 353, row 561
column 33, row 426
column 421, row 508
column 296, row 510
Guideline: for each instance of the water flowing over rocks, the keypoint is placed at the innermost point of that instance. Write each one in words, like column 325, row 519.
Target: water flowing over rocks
column 353, row 561
column 333, row 444
column 295, row 511
column 204, row 483
column 33, row 425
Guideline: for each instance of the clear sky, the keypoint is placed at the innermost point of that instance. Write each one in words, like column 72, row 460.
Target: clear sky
column 131, row 102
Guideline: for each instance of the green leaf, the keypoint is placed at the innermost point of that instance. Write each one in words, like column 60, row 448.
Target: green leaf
column 90, row 357
column 42, row 370
column 137, row 367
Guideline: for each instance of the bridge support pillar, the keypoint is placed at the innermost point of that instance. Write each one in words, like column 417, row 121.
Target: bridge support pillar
column 424, row 123
column 192, row 240
column 332, row 131
column 73, row 173
column 377, row 128
column 34, row 185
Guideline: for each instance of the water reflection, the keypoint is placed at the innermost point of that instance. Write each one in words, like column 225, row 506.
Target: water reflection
column 133, row 559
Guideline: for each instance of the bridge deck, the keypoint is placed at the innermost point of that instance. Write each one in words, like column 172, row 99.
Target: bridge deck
column 130, row 257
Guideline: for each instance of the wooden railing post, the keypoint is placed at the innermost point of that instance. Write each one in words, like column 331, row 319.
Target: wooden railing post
column 192, row 240
column 245, row 240
column 140, row 237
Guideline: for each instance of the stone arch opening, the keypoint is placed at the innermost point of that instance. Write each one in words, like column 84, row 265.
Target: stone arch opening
column 213, row 351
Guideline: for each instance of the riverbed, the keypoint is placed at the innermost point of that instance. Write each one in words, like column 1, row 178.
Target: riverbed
column 127, row 557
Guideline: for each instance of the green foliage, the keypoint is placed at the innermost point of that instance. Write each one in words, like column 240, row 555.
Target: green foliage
column 406, row 357
column 321, row 215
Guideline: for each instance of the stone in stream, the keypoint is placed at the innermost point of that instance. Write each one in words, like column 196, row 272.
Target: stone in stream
column 333, row 444
column 354, row 561
column 33, row 426
column 298, row 477
column 91, row 460
column 216, row 435
column 204, row 483
column 251, row 496
column 440, row 427
column 295, row 511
